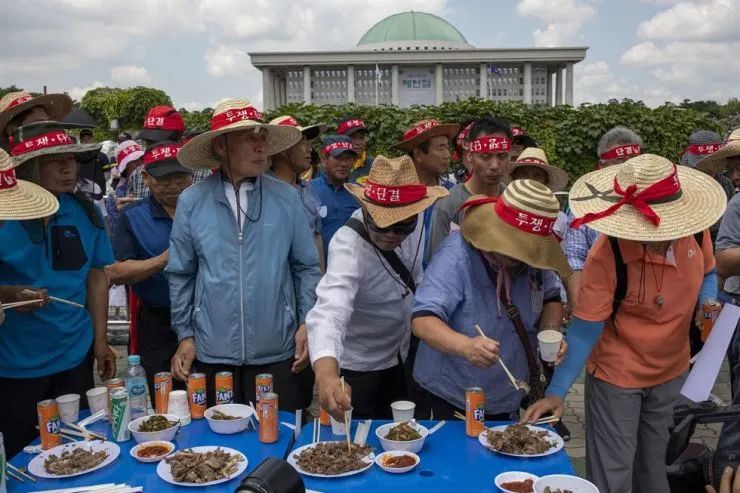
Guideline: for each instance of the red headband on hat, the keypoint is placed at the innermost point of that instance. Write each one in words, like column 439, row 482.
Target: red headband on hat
column 290, row 122
column 394, row 195
column 126, row 151
column 221, row 120
column 161, row 153
column 621, row 151
column 490, row 145
column 349, row 124
column 20, row 100
column 666, row 190
column 347, row 146
column 419, row 129
column 517, row 131
column 702, row 149
column 43, row 141
column 521, row 220
column 531, row 160
column 7, row 179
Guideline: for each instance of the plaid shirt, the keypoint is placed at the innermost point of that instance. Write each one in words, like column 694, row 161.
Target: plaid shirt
column 577, row 243
column 136, row 186
column 201, row 174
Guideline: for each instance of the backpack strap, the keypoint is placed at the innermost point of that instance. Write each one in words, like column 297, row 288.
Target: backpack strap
column 620, row 291
column 391, row 257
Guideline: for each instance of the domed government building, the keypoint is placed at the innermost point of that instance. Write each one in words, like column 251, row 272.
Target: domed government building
column 417, row 58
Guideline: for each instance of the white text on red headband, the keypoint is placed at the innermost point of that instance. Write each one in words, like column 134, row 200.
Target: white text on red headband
column 161, row 153
column 621, row 151
column 126, row 151
column 420, row 129
column 349, row 124
column 490, row 145
column 290, row 122
column 221, row 120
column 394, row 195
column 523, row 220
column 345, row 146
column 50, row 139
column 20, row 100
column 7, row 179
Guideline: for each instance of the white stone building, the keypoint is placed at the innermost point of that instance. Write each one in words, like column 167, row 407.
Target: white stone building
column 417, row 58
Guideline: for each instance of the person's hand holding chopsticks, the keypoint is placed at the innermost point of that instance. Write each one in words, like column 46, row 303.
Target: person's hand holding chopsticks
column 14, row 294
column 332, row 397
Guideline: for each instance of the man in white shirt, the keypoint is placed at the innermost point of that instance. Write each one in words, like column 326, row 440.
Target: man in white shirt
column 364, row 333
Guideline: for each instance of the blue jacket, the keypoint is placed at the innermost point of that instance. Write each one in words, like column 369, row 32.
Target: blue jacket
column 241, row 296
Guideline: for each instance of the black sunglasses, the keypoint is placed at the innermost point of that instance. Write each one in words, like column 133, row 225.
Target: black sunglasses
column 403, row 228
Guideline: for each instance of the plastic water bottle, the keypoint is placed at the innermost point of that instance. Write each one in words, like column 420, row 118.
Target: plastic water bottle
column 135, row 377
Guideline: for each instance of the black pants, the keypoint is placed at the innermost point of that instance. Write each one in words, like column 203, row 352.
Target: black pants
column 18, row 418
column 374, row 391
column 157, row 343
column 294, row 391
column 428, row 403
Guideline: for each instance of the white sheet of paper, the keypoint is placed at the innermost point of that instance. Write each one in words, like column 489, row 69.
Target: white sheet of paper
column 701, row 379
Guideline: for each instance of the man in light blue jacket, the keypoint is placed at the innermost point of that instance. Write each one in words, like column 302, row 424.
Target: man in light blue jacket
column 243, row 266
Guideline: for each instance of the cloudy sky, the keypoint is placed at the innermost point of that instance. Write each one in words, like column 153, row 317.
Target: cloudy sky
column 195, row 50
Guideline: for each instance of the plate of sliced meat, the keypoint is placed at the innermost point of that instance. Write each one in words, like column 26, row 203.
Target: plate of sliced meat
column 202, row 466
column 521, row 440
column 73, row 459
column 331, row 459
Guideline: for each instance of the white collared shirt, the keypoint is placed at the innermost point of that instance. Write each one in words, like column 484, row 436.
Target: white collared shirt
column 361, row 317
column 239, row 215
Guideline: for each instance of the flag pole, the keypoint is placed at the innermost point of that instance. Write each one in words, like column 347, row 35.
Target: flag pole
column 377, row 79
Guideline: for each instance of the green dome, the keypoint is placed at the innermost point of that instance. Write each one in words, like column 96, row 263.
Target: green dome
column 413, row 26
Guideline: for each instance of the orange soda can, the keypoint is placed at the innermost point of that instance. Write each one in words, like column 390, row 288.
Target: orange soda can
column 162, row 389
column 475, row 411
column 197, row 395
column 711, row 309
column 224, row 387
column 49, row 424
column 324, row 417
column 111, row 385
column 269, row 418
column 262, row 385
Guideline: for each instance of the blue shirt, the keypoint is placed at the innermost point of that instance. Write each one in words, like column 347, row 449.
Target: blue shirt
column 59, row 258
column 337, row 206
column 142, row 232
column 458, row 290
column 577, row 243
column 311, row 204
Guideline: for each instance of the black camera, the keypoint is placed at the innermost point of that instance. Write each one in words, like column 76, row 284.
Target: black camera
column 272, row 476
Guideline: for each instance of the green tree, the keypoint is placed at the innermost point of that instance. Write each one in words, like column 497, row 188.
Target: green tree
column 129, row 106
column 197, row 120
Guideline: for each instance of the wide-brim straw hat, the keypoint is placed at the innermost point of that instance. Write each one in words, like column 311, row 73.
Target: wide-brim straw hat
column 22, row 200
column 557, row 178
column 45, row 139
column 385, row 177
column 310, row 132
column 57, row 106
column 698, row 205
column 717, row 161
column 233, row 115
column 483, row 226
column 424, row 130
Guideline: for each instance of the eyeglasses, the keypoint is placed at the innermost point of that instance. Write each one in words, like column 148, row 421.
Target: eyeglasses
column 403, row 228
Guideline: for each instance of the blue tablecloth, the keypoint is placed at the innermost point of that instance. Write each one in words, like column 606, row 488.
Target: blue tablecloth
column 128, row 470
column 450, row 462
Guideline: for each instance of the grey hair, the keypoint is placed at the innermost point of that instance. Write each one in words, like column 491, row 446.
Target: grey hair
column 30, row 171
column 617, row 136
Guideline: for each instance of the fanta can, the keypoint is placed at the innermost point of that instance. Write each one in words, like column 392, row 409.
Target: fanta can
column 224, row 387
column 269, row 418
column 197, row 395
column 324, row 417
column 475, row 412
column 711, row 309
column 49, row 424
column 162, row 389
column 262, row 385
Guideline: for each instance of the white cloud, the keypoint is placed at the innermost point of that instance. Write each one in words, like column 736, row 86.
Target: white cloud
column 76, row 93
column 129, row 75
column 597, row 82
column 700, row 20
column 225, row 60
column 563, row 19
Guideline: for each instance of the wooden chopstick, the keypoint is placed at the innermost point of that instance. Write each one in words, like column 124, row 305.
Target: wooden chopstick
column 316, row 430
column 11, row 474
column 503, row 365
column 545, row 421
column 16, row 304
column 66, row 302
column 460, row 416
column 19, row 471
column 346, row 423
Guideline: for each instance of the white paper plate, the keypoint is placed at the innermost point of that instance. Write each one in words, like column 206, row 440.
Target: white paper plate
column 369, row 461
column 36, row 466
column 149, row 460
column 551, row 437
column 164, row 472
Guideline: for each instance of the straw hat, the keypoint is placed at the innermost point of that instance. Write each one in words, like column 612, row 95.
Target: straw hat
column 647, row 198
column 233, row 115
column 21, row 200
column 717, row 161
column 517, row 224
column 57, row 106
column 44, row 139
column 311, row 132
column 393, row 191
column 557, row 178
column 424, row 130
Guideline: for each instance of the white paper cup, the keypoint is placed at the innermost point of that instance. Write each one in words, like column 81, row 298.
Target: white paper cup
column 403, row 411
column 69, row 407
column 549, row 342
column 338, row 427
column 97, row 399
column 177, row 404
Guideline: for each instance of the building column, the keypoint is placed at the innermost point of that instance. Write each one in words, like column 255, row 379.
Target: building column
column 559, row 86
column 483, row 89
column 569, row 84
column 395, row 83
column 548, row 87
column 439, row 85
column 350, row 83
column 527, row 83
column 307, row 84
column 268, row 100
